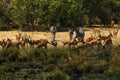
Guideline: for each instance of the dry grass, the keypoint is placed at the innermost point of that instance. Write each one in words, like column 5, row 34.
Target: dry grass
column 60, row 36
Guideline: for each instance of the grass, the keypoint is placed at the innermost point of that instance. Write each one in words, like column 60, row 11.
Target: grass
column 60, row 64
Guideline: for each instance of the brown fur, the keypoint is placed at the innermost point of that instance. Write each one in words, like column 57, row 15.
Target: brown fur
column 89, row 39
column 70, row 42
column 108, row 42
column 91, row 42
column 54, row 43
column 80, row 45
column 34, row 42
column 10, row 43
column 96, row 42
column 43, row 43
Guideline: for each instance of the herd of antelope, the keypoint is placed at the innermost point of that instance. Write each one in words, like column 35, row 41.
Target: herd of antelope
column 25, row 40
column 95, row 40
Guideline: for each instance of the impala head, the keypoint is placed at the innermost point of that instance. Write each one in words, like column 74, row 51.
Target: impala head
column 54, row 43
column 3, row 42
column 8, row 39
column 110, row 34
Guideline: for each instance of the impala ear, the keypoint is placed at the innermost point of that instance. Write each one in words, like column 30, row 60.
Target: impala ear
column 8, row 39
column 110, row 34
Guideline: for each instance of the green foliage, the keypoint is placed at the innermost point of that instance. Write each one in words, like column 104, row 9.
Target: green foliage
column 56, row 75
column 9, row 55
column 60, row 63
column 32, row 15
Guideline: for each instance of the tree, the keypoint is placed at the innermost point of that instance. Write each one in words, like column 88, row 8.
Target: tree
column 105, row 10
column 26, row 12
column 4, row 13
column 62, row 13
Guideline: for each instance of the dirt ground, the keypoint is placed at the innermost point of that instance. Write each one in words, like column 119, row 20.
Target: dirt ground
column 60, row 36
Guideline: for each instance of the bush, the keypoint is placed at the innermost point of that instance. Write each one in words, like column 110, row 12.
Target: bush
column 61, row 63
column 56, row 75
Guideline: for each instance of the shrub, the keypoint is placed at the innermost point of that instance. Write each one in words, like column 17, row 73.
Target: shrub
column 56, row 75
column 61, row 63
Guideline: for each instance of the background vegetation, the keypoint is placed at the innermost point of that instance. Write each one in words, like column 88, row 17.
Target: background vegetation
column 41, row 14
column 60, row 64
